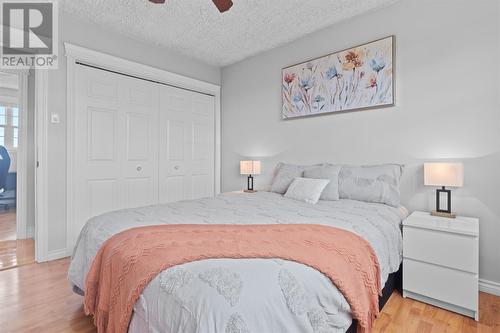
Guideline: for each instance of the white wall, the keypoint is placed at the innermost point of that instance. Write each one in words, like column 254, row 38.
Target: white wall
column 448, row 107
column 80, row 33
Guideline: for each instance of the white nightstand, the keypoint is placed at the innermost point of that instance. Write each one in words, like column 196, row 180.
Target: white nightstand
column 441, row 262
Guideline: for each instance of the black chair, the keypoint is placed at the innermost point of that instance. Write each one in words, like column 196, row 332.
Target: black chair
column 4, row 167
column 7, row 195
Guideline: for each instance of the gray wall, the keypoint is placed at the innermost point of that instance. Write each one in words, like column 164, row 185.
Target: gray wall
column 448, row 108
column 80, row 33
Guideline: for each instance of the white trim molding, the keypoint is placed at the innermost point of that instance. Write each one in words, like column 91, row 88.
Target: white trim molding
column 106, row 61
column 489, row 287
column 22, row 160
column 41, row 187
column 77, row 54
column 57, row 254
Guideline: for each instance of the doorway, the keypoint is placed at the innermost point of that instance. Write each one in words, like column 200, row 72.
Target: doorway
column 17, row 245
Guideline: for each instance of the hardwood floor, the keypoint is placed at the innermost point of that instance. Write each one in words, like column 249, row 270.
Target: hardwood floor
column 37, row 298
column 13, row 252
column 8, row 225
column 402, row 315
column 16, row 253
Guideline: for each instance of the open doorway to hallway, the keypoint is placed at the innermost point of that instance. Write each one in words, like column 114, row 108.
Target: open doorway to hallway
column 17, row 155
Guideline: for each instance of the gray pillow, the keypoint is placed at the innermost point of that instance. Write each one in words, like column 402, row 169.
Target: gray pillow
column 375, row 183
column 285, row 175
column 306, row 189
column 327, row 171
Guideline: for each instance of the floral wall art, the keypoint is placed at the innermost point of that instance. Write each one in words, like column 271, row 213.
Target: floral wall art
column 357, row 78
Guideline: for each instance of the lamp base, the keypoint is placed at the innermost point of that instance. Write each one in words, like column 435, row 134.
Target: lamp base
column 443, row 214
column 249, row 191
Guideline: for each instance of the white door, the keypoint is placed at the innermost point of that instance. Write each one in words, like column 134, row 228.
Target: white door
column 116, row 143
column 140, row 160
column 187, row 145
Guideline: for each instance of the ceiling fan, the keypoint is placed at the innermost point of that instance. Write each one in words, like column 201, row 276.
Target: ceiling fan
column 222, row 5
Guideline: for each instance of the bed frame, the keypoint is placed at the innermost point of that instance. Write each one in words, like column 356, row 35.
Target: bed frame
column 394, row 281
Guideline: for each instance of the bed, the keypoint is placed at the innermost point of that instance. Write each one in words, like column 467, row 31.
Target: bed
column 245, row 295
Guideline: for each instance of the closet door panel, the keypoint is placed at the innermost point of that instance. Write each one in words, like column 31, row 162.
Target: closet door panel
column 115, row 143
column 103, row 196
column 96, row 146
column 203, row 146
column 139, row 192
column 174, row 137
column 140, row 142
column 102, row 134
column 187, row 145
column 200, row 186
column 174, row 189
column 139, row 128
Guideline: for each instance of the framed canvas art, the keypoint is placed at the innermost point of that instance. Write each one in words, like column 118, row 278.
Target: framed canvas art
column 357, row 78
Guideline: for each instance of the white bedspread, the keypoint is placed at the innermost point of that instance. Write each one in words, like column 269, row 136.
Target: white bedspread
column 245, row 295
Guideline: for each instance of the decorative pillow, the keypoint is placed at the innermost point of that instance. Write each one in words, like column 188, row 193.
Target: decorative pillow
column 375, row 183
column 306, row 189
column 327, row 171
column 284, row 176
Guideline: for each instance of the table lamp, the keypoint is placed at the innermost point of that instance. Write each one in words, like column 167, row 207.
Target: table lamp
column 443, row 174
column 250, row 168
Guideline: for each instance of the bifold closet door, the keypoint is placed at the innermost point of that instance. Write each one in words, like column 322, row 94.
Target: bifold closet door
column 115, row 142
column 187, row 145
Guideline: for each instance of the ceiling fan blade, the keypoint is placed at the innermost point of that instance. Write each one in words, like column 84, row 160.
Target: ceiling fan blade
column 223, row 5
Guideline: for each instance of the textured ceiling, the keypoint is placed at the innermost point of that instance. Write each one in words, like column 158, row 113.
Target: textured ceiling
column 195, row 27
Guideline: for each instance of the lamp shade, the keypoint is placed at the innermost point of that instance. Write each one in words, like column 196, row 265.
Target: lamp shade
column 250, row 167
column 444, row 174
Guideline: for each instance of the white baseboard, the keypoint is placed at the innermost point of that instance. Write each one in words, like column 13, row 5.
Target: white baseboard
column 57, row 254
column 489, row 287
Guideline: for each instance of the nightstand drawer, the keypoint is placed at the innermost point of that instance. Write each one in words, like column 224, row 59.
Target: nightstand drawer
column 444, row 284
column 437, row 247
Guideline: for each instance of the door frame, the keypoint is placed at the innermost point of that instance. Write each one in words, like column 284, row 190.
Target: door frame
column 22, row 162
column 22, row 231
column 41, row 175
column 77, row 54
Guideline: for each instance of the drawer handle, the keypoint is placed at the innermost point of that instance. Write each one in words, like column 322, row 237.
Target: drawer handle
column 139, row 168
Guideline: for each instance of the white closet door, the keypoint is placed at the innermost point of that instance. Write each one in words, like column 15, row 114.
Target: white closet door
column 187, row 145
column 140, row 160
column 116, row 142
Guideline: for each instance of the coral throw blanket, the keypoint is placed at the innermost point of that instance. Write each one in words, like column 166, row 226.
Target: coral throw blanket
column 128, row 261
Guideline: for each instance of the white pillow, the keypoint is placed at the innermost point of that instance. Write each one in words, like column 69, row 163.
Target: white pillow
column 327, row 171
column 306, row 189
